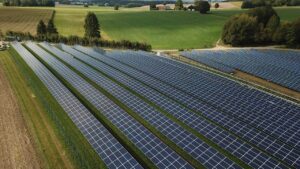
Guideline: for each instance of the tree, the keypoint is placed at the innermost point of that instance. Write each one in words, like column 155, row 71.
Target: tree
column 153, row 6
column 217, row 5
column 294, row 3
column 116, row 7
column 293, row 34
column 179, row 5
column 51, row 29
column 258, row 3
column 247, row 4
column 240, row 30
column 281, row 32
column 202, row 6
column 41, row 28
column 263, row 14
column 91, row 26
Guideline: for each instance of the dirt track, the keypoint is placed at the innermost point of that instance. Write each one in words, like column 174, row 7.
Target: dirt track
column 16, row 148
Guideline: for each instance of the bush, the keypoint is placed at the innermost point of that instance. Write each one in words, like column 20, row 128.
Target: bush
column 116, row 7
column 153, row 7
column 240, row 30
column 191, row 7
column 247, row 5
column 279, row 36
column 73, row 40
column 261, row 26
column 294, row 3
column 263, row 14
column 293, row 35
column 259, row 3
column 217, row 5
column 202, row 6
column 179, row 5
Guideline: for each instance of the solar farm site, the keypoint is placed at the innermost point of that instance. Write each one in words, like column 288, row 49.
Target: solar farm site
column 278, row 66
column 138, row 110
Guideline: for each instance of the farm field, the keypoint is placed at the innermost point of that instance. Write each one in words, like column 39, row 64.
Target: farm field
column 131, row 91
column 22, row 19
column 17, row 149
column 161, row 29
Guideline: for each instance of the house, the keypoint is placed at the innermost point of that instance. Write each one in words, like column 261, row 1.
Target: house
column 163, row 7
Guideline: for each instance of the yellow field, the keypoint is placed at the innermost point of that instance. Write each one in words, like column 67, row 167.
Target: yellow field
column 22, row 19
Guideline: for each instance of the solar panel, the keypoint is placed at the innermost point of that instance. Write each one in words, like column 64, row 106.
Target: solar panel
column 169, row 128
column 278, row 66
column 159, row 153
column 108, row 148
column 275, row 147
column 250, row 105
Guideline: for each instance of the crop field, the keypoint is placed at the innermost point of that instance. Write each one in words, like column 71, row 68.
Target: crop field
column 22, row 19
column 123, row 103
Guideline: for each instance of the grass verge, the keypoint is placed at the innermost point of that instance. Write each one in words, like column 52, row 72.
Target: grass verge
column 61, row 143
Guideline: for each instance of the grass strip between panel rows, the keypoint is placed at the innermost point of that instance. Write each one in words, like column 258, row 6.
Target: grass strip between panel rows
column 174, row 119
column 162, row 137
column 73, row 142
column 196, row 112
column 128, row 145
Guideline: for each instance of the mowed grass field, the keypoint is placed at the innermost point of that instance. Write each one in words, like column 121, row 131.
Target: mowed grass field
column 22, row 19
column 161, row 29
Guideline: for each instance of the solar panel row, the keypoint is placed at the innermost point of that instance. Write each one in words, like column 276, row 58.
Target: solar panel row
column 253, row 106
column 159, row 153
column 109, row 149
column 278, row 66
column 185, row 115
column 230, row 122
column 190, row 143
column 262, row 140
column 188, row 94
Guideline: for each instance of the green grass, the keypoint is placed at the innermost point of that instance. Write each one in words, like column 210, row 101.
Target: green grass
column 161, row 29
column 288, row 14
column 58, row 148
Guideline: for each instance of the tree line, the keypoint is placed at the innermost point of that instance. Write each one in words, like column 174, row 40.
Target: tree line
column 50, row 3
column 261, row 26
column 259, row 3
column 92, row 36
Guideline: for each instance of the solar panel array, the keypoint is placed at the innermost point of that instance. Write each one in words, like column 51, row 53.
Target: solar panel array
column 279, row 66
column 223, row 138
column 223, row 110
column 261, row 130
column 109, row 149
column 160, row 154
column 176, row 133
column 253, row 106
